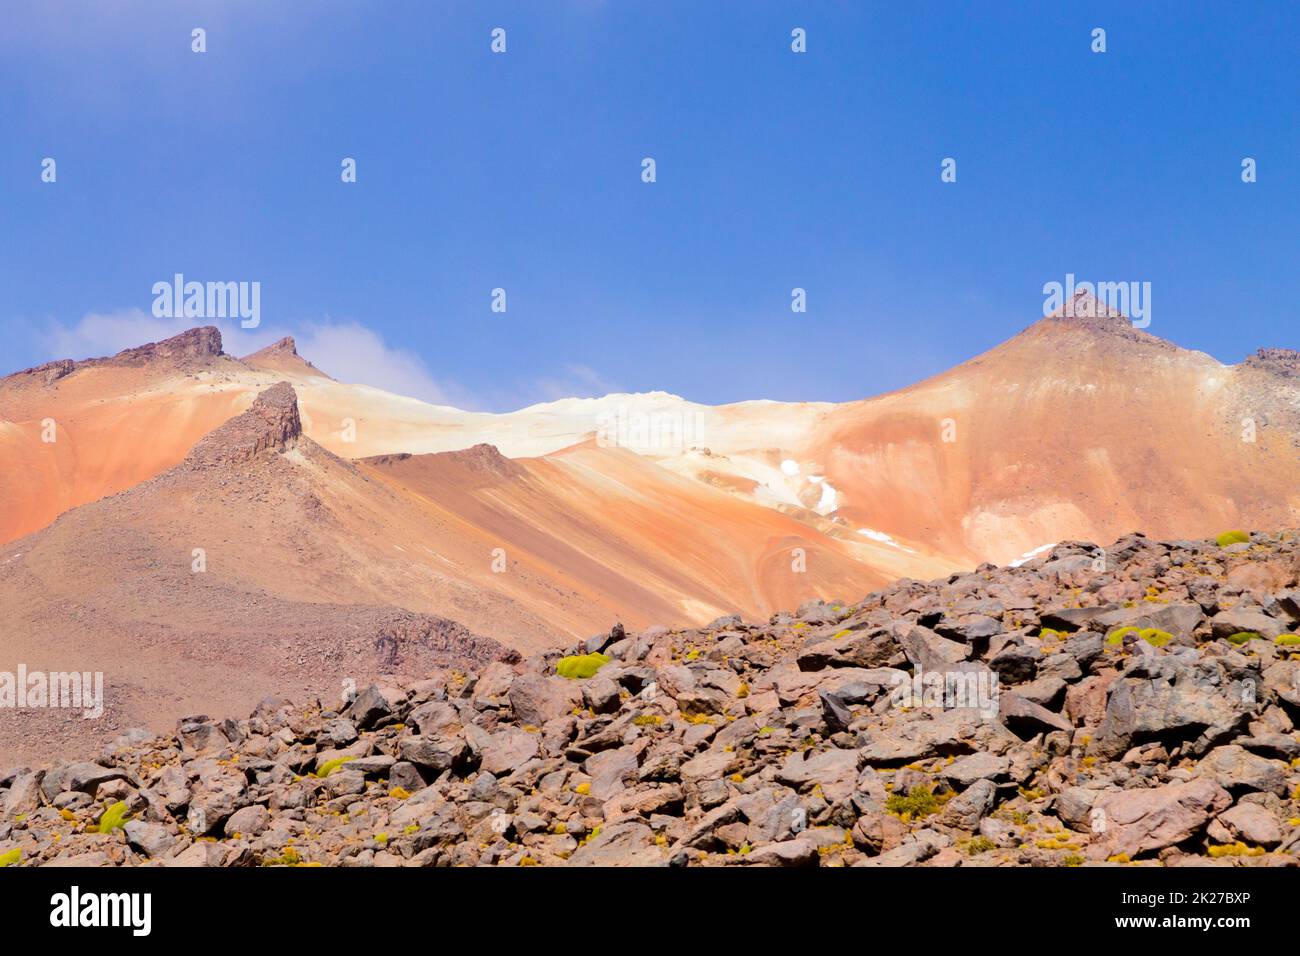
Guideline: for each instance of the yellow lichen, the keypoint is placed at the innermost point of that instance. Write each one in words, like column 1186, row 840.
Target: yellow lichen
column 329, row 766
column 1234, row 849
column 1116, row 637
column 919, row 802
column 289, row 857
column 1054, row 843
column 114, row 818
column 581, row 666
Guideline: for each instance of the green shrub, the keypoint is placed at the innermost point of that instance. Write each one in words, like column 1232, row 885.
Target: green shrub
column 10, row 858
column 581, row 666
column 290, row 857
column 114, row 818
column 1231, row 537
column 1241, row 638
column 1234, row 849
column 329, row 766
column 1287, row 640
column 1116, row 637
column 1155, row 637
column 919, row 802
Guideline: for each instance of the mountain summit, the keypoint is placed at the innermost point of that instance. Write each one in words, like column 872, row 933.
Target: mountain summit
column 282, row 356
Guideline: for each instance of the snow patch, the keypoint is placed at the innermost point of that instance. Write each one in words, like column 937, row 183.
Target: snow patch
column 829, row 500
column 883, row 538
column 1030, row 555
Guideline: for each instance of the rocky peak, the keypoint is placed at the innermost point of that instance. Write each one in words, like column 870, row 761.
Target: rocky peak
column 197, row 343
column 282, row 356
column 1280, row 361
column 1087, row 313
column 485, row 457
column 271, row 424
column 284, row 348
column 1085, row 306
column 49, row 373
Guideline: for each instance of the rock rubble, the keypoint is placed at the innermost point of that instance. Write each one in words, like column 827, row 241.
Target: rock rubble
column 1133, row 705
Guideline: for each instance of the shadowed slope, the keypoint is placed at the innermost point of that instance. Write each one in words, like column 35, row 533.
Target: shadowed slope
column 232, row 574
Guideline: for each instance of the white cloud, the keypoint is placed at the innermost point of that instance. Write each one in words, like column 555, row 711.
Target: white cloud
column 574, row 381
column 351, row 352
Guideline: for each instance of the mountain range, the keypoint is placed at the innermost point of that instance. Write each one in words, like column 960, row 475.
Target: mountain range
column 206, row 529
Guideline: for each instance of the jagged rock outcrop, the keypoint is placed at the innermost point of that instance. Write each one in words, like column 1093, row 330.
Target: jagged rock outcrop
column 50, row 372
column 192, row 347
column 271, row 424
column 1281, row 361
column 198, row 343
column 284, row 346
column 282, row 357
column 1084, row 311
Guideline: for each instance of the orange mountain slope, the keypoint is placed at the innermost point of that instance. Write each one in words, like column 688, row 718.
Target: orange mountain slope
column 1077, row 427
column 1074, row 429
column 263, row 562
column 253, row 566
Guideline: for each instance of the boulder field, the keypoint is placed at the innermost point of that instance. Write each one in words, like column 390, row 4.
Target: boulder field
column 1128, row 705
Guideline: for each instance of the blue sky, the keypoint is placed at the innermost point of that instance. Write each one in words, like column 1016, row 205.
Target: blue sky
column 522, row 171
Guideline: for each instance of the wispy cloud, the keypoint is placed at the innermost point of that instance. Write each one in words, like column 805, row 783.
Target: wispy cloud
column 575, row 381
column 352, row 352
column 107, row 333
